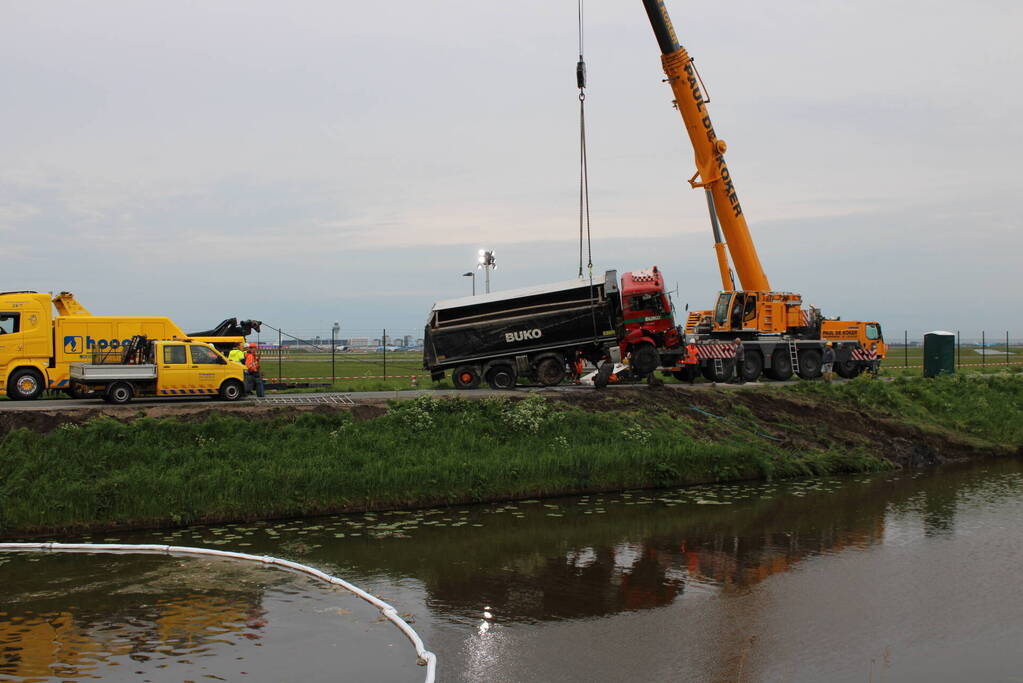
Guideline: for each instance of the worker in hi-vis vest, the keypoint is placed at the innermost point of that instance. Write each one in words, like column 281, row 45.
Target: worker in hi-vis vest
column 237, row 354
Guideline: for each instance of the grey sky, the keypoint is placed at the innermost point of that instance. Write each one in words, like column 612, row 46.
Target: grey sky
column 315, row 161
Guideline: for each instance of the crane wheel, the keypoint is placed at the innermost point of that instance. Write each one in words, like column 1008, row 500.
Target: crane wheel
column 752, row 367
column 810, row 364
column 686, row 374
column 848, row 369
column 781, row 365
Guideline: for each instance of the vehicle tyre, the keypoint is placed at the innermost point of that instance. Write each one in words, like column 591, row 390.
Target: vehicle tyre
column 25, row 385
column 687, row 373
column 231, row 390
column 550, row 371
column 848, row 369
column 466, row 377
column 712, row 375
column 781, row 365
column 644, row 359
column 810, row 364
column 603, row 376
column 752, row 366
column 501, row 376
column 118, row 393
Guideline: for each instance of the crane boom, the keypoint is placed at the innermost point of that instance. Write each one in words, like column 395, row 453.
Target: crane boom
column 711, row 168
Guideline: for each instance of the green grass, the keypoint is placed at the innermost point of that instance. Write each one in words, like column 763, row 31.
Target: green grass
column 989, row 407
column 161, row 471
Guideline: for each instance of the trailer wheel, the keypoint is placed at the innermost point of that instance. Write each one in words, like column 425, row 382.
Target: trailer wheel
column 25, row 385
column 466, row 377
column 781, row 365
column 118, row 393
column 550, row 371
column 810, row 364
column 848, row 369
column 231, row 390
column 501, row 376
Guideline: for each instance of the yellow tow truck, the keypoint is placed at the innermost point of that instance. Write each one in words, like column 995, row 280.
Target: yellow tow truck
column 175, row 367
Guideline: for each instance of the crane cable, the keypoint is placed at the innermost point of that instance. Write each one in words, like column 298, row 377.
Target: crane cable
column 584, row 175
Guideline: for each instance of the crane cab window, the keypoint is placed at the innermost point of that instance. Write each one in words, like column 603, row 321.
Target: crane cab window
column 873, row 331
column 721, row 311
column 174, row 355
column 204, row 355
column 750, row 311
column 10, row 323
column 737, row 308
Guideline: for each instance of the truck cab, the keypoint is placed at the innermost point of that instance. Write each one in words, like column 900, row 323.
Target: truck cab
column 648, row 319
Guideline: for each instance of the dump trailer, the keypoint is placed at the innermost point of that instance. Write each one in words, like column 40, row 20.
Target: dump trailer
column 177, row 367
column 533, row 333
column 37, row 346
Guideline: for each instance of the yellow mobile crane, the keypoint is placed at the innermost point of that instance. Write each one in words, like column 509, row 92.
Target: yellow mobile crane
column 779, row 334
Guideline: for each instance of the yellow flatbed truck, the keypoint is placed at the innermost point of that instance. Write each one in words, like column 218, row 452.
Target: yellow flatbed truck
column 178, row 367
column 37, row 347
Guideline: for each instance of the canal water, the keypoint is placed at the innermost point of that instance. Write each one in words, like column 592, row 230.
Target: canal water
column 897, row 577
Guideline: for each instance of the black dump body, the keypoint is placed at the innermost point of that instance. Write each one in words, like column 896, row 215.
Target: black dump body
column 561, row 317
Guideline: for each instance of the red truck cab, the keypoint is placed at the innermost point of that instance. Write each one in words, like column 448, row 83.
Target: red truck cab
column 646, row 310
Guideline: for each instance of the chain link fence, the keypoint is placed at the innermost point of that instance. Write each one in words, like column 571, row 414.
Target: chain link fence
column 983, row 351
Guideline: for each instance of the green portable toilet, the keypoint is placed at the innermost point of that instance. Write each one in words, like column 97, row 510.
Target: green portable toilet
column 939, row 353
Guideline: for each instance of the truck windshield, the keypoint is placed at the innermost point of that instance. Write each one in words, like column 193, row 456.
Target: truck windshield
column 10, row 323
column 873, row 331
column 647, row 302
column 204, row 355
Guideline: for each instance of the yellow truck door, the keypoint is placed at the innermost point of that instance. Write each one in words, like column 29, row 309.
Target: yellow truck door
column 174, row 372
column 209, row 368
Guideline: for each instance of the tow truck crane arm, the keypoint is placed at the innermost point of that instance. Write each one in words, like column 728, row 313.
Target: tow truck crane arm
column 712, row 172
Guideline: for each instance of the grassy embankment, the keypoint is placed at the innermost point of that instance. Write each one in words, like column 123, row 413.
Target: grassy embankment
column 147, row 472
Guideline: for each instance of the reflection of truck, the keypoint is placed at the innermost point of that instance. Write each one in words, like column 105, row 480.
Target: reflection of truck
column 38, row 347
column 178, row 367
column 779, row 335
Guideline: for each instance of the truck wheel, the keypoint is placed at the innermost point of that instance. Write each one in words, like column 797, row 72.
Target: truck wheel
column 118, row 393
column 501, row 377
column 752, row 366
column 25, row 385
column 603, row 376
column 231, row 390
column 644, row 359
column 781, row 365
column 848, row 369
column 550, row 371
column 810, row 364
column 466, row 377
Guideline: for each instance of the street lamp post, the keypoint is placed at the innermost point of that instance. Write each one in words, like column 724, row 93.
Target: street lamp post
column 486, row 262
column 333, row 349
column 473, row 276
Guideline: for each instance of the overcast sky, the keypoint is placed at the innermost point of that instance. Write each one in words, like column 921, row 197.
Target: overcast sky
column 307, row 162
